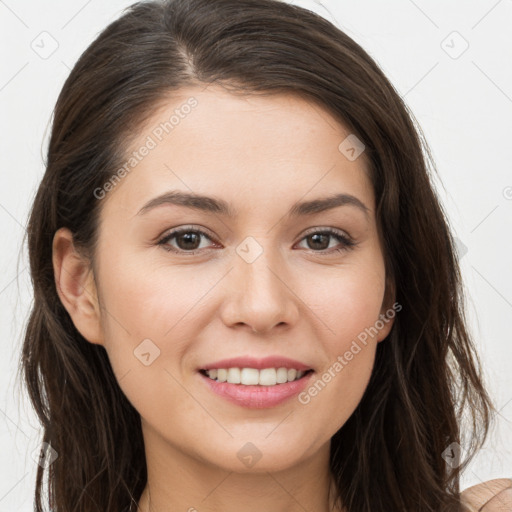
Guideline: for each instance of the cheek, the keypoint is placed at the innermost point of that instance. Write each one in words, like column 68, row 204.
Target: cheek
column 337, row 390
column 349, row 305
column 146, row 319
column 349, row 342
column 348, row 302
column 149, row 298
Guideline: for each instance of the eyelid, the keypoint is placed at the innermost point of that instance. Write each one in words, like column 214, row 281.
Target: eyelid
column 328, row 229
column 171, row 233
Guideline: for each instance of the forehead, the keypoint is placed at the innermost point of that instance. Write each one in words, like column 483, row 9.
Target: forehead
column 255, row 148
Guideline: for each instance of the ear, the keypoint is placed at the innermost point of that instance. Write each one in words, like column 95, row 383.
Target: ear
column 74, row 279
column 389, row 309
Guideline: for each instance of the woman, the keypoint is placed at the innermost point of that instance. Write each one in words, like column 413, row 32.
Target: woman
column 191, row 346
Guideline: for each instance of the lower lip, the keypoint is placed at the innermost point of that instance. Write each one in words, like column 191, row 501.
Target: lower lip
column 257, row 397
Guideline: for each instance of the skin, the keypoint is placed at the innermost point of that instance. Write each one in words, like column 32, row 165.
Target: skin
column 490, row 496
column 298, row 299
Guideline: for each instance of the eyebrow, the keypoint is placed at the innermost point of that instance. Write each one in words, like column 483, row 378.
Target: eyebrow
column 221, row 207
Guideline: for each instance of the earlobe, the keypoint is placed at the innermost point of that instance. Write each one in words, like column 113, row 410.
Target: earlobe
column 388, row 311
column 385, row 323
column 74, row 280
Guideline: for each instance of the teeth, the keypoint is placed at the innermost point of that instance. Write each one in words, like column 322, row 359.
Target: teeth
column 281, row 375
column 252, row 376
column 234, row 375
column 268, row 377
column 249, row 376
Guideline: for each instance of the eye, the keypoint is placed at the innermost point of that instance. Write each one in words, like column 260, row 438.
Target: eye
column 188, row 238
column 319, row 237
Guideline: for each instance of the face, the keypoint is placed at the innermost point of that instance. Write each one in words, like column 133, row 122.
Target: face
column 260, row 278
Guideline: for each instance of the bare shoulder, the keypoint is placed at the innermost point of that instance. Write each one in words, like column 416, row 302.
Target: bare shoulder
column 491, row 496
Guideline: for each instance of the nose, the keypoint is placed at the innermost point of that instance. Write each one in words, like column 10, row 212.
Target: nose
column 260, row 295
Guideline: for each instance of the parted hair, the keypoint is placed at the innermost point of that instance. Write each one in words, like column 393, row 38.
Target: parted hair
column 426, row 391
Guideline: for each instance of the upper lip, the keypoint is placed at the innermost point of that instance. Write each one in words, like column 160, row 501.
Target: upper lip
column 259, row 364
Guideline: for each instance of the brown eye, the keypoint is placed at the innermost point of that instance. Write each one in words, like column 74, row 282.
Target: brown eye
column 318, row 241
column 187, row 240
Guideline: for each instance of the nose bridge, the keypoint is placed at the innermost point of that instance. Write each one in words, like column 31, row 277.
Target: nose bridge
column 261, row 298
column 257, row 268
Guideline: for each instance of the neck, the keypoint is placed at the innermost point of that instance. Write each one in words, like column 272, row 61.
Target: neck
column 178, row 481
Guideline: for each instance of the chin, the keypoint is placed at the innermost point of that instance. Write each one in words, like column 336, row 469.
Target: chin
column 257, row 456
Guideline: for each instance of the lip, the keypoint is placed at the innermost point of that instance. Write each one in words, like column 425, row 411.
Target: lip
column 258, row 364
column 257, row 397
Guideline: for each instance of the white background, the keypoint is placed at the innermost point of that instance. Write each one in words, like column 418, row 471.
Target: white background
column 462, row 101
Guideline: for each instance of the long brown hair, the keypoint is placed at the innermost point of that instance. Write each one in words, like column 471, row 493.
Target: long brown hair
column 426, row 390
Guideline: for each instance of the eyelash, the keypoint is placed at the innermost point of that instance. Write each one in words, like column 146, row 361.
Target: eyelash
column 347, row 242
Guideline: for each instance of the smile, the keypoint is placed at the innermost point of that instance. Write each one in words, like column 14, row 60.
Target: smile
column 253, row 376
column 256, row 396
